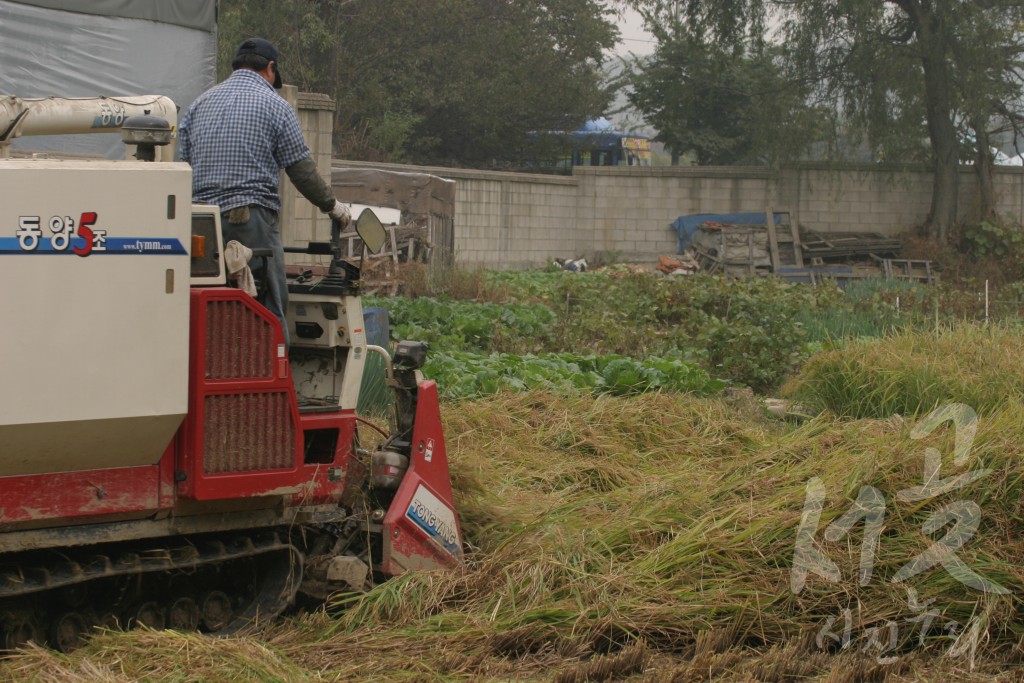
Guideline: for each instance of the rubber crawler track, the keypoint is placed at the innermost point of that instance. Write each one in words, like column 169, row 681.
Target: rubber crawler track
column 37, row 584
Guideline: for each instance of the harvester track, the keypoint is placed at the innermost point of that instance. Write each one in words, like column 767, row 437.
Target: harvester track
column 219, row 583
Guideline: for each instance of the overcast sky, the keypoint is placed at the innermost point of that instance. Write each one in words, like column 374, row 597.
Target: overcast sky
column 633, row 37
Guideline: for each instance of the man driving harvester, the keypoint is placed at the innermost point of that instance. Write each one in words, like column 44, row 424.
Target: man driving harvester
column 237, row 136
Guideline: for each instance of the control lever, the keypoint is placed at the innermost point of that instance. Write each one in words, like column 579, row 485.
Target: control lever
column 313, row 249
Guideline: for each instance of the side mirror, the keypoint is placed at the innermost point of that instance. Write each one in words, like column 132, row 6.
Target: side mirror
column 371, row 231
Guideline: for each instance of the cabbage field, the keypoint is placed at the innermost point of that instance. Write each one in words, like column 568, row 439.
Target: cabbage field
column 754, row 333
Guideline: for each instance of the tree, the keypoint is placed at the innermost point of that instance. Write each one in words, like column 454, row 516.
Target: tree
column 990, row 58
column 724, row 105
column 896, row 65
column 445, row 82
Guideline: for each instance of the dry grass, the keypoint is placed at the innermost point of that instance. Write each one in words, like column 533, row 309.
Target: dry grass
column 145, row 655
column 416, row 279
column 649, row 539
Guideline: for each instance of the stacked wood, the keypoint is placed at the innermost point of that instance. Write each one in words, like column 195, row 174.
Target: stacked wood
column 733, row 249
column 742, row 250
column 408, row 242
column 849, row 245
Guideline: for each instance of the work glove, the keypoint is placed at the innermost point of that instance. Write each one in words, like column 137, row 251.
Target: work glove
column 341, row 214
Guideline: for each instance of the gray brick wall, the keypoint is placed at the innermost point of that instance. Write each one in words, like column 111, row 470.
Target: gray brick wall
column 302, row 222
column 515, row 220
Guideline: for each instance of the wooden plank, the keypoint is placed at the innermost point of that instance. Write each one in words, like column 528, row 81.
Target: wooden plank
column 773, row 240
column 798, row 250
column 394, row 243
column 794, row 223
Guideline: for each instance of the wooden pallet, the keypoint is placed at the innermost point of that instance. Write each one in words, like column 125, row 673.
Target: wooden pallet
column 908, row 269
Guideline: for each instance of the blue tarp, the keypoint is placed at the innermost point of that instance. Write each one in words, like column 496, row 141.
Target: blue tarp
column 686, row 226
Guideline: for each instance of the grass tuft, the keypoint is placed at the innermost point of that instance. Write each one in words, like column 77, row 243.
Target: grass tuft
column 912, row 373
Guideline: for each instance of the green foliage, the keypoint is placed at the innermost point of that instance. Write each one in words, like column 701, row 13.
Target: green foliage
column 392, row 132
column 466, row 326
column 992, row 239
column 304, row 31
column 462, row 375
column 890, row 74
column 722, row 105
column 871, row 308
column 537, row 286
column 447, row 82
column 745, row 331
column 762, row 355
column 756, row 332
column 742, row 330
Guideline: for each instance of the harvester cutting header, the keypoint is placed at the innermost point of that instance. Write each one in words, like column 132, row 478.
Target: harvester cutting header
column 165, row 457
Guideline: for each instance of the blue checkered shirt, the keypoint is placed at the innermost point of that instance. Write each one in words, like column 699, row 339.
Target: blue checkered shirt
column 238, row 136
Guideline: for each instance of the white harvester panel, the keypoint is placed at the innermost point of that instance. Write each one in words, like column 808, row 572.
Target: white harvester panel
column 94, row 312
column 328, row 353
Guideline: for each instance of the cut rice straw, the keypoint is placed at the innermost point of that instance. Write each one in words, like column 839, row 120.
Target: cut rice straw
column 655, row 537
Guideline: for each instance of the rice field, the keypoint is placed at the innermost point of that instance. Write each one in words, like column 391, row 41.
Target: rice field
column 673, row 537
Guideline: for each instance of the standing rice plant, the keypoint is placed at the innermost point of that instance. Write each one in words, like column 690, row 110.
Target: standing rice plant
column 911, row 373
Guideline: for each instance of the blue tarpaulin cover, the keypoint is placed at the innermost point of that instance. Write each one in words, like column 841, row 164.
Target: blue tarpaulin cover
column 685, row 226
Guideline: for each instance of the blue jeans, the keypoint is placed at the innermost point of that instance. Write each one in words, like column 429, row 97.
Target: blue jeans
column 262, row 232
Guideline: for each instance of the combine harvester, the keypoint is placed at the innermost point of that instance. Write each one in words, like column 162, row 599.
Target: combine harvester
column 163, row 459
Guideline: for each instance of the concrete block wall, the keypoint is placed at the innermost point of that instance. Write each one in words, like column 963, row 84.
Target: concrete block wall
column 301, row 222
column 1009, row 189
column 316, row 116
column 520, row 220
column 541, row 219
column 509, row 220
column 884, row 200
column 516, row 220
column 865, row 199
column 630, row 211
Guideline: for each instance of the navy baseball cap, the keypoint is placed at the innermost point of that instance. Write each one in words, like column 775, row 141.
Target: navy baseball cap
column 265, row 49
